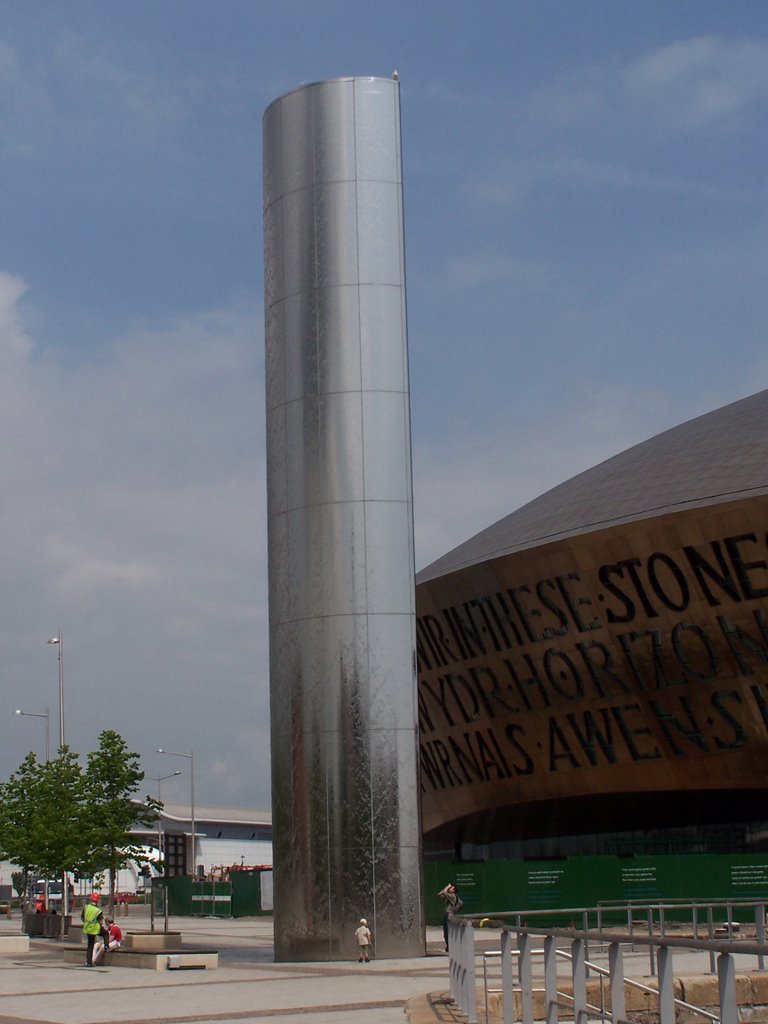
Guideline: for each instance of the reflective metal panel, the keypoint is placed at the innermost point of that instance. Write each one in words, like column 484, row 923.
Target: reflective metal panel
column 386, row 430
column 380, row 251
column 382, row 319
column 345, row 799
column 377, row 130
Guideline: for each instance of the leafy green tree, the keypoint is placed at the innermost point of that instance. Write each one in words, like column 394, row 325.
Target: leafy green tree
column 20, row 824
column 57, row 817
column 43, row 817
column 63, row 844
column 113, row 778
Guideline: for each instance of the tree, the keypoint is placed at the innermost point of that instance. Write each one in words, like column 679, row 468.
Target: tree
column 43, row 817
column 20, row 824
column 63, row 844
column 56, row 817
column 113, row 778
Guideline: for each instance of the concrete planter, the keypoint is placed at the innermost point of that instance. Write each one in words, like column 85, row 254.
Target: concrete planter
column 47, row 926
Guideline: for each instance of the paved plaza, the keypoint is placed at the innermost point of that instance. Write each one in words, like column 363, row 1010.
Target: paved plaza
column 39, row 988
column 247, row 986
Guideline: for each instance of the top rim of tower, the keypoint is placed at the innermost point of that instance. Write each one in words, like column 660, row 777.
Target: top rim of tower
column 332, row 81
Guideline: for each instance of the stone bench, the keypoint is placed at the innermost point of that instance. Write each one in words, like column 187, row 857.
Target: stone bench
column 152, row 940
column 10, row 944
column 136, row 940
column 150, row 959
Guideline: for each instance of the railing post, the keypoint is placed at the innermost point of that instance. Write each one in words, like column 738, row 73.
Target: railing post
column 726, row 978
column 550, row 979
column 461, row 943
column 453, row 963
column 507, row 978
column 485, row 986
column 579, row 974
column 760, row 932
column 711, row 935
column 616, row 967
column 525, row 969
column 585, row 927
column 666, row 986
column 651, row 950
column 470, row 981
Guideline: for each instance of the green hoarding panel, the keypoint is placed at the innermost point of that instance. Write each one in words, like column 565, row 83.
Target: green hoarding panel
column 212, row 899
column 246, row 893
column 242, row 896
column 180, row 895
column 575, row 882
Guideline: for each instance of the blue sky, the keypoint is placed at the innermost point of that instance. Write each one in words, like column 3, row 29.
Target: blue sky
column 586, row 215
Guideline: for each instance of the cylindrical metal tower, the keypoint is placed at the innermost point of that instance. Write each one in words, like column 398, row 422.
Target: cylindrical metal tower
column 345, row 799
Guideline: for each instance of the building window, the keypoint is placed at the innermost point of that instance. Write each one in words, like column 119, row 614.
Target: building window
column 175, row 855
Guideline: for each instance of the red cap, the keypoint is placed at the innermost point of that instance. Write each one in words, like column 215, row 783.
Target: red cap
column 95, row 895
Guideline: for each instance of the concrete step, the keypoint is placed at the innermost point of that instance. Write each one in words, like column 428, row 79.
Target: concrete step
column 10, row 944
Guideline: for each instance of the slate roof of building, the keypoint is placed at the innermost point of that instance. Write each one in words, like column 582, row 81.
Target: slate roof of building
column 718, row 457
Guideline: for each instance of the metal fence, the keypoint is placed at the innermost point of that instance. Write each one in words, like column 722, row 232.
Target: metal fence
column 511, row 967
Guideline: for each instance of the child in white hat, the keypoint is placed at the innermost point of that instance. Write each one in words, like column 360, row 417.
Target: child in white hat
column 363, row 936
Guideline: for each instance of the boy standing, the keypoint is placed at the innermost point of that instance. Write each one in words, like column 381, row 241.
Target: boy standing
column 363, row 936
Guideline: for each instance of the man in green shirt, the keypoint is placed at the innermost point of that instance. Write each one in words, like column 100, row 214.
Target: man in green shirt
column 92, row 918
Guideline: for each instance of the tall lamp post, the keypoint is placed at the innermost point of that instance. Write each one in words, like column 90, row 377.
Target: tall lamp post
column 59, row 641
column 47, row 717
column 41, row 714
column 191, row 757
column 160, row 779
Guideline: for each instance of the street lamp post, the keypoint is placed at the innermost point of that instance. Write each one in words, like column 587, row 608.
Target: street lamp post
column 191, row 757
column 41, row 714
column 160, row 779
column 59, row 640
column 47, row 717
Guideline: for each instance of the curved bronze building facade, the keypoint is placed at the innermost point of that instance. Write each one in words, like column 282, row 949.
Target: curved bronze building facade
column 598, row 660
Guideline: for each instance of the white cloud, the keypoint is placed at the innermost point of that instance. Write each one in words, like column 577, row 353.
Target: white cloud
column 511, row 182
column 694, row 84
column 13, row 340
column 474, row 269
column 138, row 90
column 133, row 515
column 23, row 101
column 702, row 81
column 514, row 459
column 86, row 575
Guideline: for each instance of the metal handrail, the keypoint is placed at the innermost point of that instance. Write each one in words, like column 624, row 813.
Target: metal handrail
column 602, row 973
column 463, row 968
column 657, row 908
